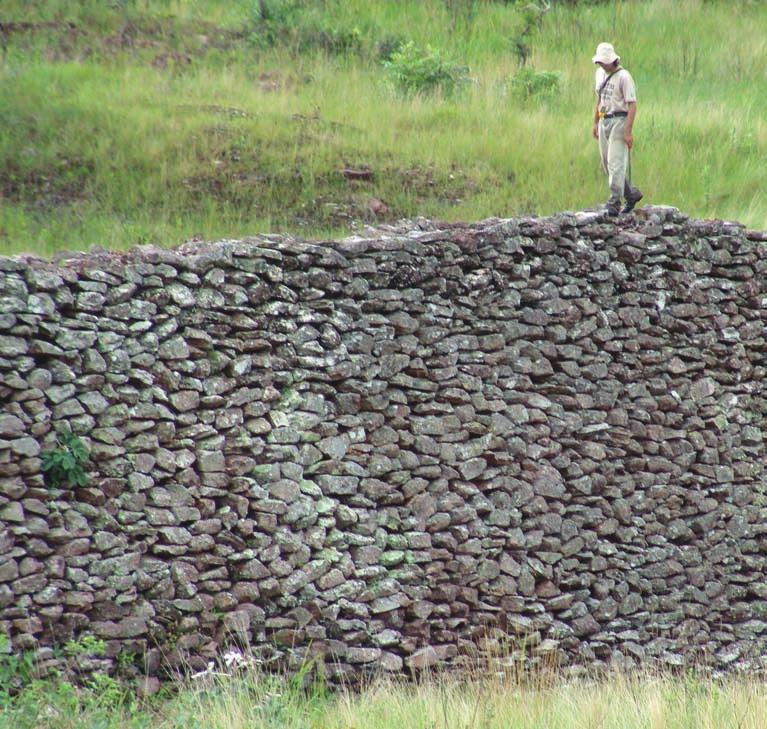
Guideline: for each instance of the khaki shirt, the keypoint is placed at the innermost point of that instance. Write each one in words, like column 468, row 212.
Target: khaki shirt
column 618, row 91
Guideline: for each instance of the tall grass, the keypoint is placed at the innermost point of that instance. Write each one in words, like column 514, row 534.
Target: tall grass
column 109, row 144
column 624, row 702
column 618, row 702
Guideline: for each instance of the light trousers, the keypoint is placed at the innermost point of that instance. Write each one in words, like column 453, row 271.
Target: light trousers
column 615, row 160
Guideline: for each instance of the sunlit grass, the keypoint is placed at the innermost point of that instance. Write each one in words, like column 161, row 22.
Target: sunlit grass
column 620, row 702
column 617, row 701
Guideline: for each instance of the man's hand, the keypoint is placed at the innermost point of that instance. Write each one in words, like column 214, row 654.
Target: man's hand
column 628, row 135
column 595, row 130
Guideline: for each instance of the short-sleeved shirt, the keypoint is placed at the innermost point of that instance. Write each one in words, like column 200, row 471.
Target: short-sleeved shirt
column 618, row 91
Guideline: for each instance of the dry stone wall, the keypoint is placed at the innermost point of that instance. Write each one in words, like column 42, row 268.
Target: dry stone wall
column 394, row 450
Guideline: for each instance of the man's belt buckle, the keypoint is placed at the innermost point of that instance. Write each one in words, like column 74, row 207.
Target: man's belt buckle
column 602, row 114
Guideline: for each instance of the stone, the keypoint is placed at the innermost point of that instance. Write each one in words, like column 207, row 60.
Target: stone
column 25, row 447
column 338, row 485
column 585, row 626
column 9, row 570
column 253, row 570
column 211, row 461
column 12, row 512
column 362, row 655
column 185, row 401
column 472, row 468
column 174, row 349
column 148, row 686
column 11, row 426
column 548, row 482
column 391, row 662
column 131, row 627
column 13, row 346
column 422, row 659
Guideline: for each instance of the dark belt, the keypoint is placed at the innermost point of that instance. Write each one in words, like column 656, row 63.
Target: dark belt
column 615, row 115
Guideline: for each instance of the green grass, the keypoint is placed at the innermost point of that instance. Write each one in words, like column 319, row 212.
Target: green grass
column 485, row 702
column 155, row 121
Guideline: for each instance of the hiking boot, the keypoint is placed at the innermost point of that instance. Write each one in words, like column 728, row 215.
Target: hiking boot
column 612, row 211
column 631, row 203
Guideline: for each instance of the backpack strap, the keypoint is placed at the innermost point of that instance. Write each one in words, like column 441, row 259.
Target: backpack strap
column 604, row 83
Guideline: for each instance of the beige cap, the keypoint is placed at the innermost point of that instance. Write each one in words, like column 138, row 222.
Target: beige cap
column 606, row 54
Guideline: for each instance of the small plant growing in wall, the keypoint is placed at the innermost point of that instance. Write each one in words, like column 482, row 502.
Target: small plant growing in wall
column 63, row 465
column 16, row 671
column 86, row 645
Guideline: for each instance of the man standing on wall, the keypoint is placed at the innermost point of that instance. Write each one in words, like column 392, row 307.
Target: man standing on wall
column 613, row 126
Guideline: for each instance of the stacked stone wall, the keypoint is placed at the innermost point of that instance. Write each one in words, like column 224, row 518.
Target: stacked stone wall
column 396, row 449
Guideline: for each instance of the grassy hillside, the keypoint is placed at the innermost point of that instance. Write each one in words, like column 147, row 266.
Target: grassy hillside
column 158, row 120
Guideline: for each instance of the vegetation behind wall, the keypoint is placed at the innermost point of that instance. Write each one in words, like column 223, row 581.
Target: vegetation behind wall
column 157, row 121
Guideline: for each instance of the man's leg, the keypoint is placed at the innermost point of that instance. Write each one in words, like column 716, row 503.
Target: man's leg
column 632, row 195
column 605, row 129
column 630, row 192
column 617, row 161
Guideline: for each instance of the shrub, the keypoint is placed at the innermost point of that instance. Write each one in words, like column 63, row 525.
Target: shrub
column 388, row 46
column 273, row 19
column 461, row 11
column 416, row 71
column 531, row 15
column 63, row 466
column 336, row 41
column 531, row 84
column 302, row 27
column 276, row 13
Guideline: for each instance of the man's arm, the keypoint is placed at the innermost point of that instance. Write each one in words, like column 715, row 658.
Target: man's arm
column 628, row 130
column 595, row 125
